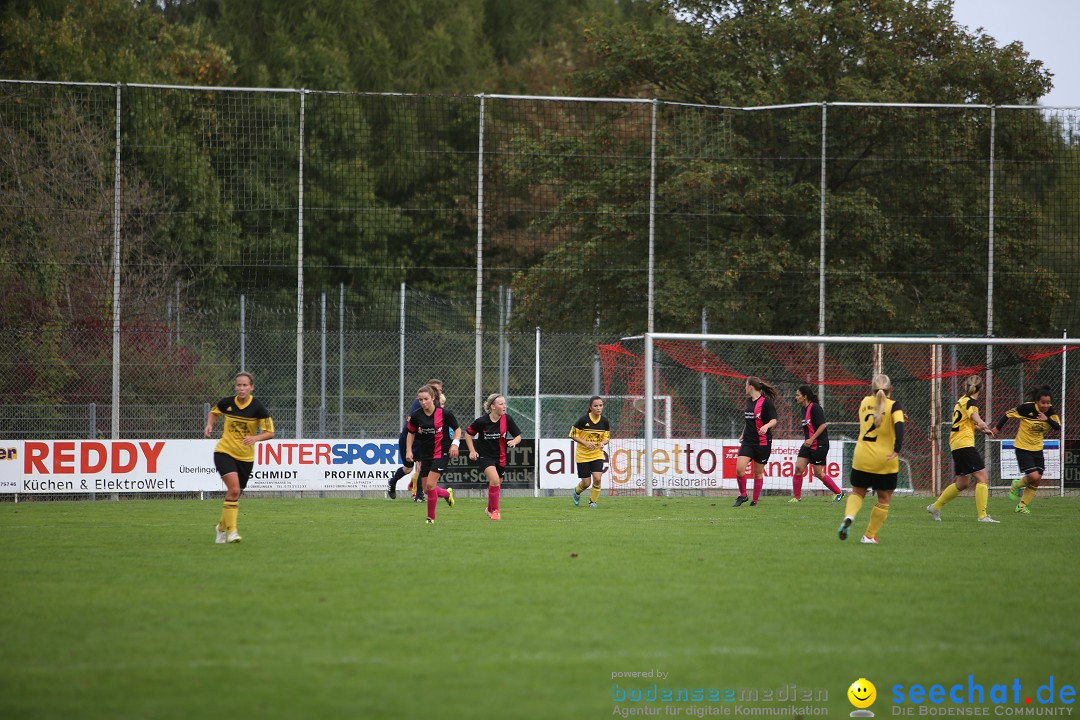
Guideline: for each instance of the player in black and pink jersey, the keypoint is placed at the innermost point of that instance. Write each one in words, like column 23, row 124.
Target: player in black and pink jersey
column 756, row 444
column 815, row 447
column 430, row 445
column 489, row 448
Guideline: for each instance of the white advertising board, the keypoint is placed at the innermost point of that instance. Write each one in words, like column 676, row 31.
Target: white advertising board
column 1051, row 453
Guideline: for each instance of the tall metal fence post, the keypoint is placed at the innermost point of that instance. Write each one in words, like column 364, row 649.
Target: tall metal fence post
column 479, row 354
column 322, row 365
column 300, row 279
column 243, row 333
column 990, row 281
column 115, row 434
column 536, row 415
column 401, row 360
column 652, row 217
column 341, row 360
column 821, row 248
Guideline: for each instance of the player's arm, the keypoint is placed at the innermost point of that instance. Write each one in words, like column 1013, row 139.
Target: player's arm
column 768, row 413
column 515, row 432
column 409, row 440
column 210, row 420
column 452, row 422
column 575, row 435
column 980, row 425
column 898, row 430
column 1011, row 413
column 469, row 432
column 266, row 428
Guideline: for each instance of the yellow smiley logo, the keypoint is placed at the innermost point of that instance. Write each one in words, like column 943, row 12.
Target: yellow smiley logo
column 862, row 693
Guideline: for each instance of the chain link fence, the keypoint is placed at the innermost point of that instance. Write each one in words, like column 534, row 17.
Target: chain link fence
column 345, row 247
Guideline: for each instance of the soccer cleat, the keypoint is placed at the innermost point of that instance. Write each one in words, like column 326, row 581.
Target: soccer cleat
column 219, row 536
column 420, row 498
column 1022, row 509
column 987, row 518
column 592, row 504
column 839, row 497
column 577, row 497
column 793, row 500
column 740, row 500
column 1014, row 491
column 392, row 490
column 845, row 526
column 495, row 515
column 934, row 511
column 753, row 503
column 234, row 537
column 429, row 521
column 450, row 497
column 868, row 540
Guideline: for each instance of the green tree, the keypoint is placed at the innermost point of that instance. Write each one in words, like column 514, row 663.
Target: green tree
column 738, row 192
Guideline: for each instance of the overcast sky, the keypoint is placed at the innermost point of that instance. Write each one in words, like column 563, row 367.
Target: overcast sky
column 1047, row 28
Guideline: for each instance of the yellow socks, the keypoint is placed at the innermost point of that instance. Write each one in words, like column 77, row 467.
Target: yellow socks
column 854, row 504
column 1029, row 495
column 982, row 495
column 949, row 494
column 877, row 519
column 581, row 486
column 594, row 494
column 229, row 510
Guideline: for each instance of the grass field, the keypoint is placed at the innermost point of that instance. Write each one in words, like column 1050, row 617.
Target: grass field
column 340, row 608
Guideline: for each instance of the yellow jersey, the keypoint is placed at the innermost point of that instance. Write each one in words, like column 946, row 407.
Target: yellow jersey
column 251, row 418
column 1032, row 430
column 877, row 442
column 963, row 424
column 590, row 428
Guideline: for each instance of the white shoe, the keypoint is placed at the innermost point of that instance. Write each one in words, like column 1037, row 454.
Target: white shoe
column 868, row 541
column 219, row 536
column 234, row 537
column 934, row 511
column 987, row 518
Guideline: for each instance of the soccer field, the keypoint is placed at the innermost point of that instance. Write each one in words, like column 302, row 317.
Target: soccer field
column 335, row 608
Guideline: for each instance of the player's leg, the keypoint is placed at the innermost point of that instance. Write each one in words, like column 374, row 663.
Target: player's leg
column 818, row 469
column 881, row 509
column 741, row 464
column 494, row 478
column 759, row 480
column 597, row 475
column 797, row 479
column 584, row 473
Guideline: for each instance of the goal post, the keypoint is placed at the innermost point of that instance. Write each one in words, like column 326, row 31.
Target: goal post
column 925, row 370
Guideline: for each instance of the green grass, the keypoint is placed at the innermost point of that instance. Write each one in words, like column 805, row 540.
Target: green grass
column 340, row 608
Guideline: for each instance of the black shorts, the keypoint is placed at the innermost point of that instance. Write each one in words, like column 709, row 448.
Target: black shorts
column 967, row 461
column 586, row 469
column 438, row 465
column 226, row 464
column 816, row 457
column 401, row 449
column 484, row 463
column 758, row 453
column 867, row 480
column 1030, row 461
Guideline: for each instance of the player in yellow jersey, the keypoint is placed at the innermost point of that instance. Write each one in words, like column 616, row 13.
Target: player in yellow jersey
column 1036, row 417
column 591, row 434
column 876, row 462
column 247, row 422
column 966, row 459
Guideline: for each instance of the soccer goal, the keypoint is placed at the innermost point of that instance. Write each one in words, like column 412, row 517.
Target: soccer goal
column 558, row 412
column 701, row 378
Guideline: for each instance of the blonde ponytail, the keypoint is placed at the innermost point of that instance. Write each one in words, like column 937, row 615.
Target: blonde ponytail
column 882, row 387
